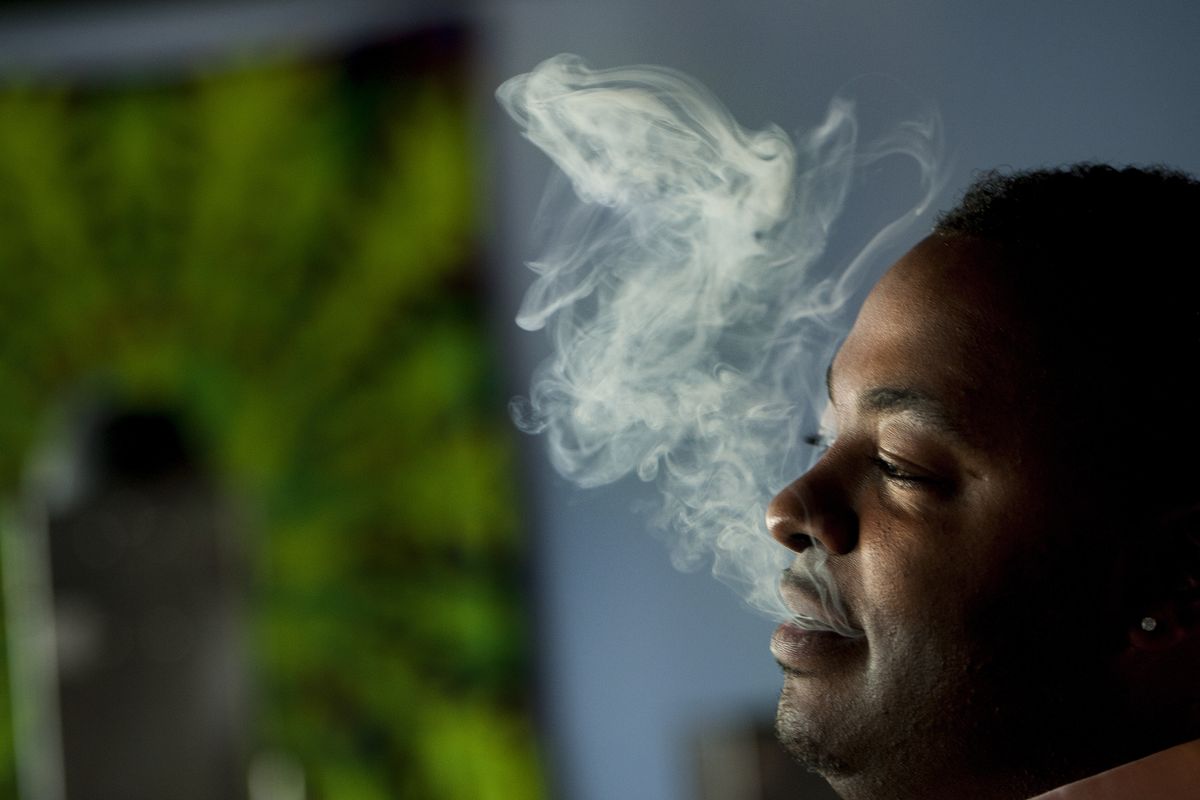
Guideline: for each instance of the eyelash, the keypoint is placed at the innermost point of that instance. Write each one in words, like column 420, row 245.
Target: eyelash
column 894, row 472
column 819, row 442
column 890, row 470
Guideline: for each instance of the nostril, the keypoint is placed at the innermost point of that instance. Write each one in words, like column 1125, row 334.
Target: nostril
column 814, row 509
column 799, row 541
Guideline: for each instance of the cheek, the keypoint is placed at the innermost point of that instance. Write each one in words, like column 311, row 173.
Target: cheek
column 926, row 563
column 910, row 574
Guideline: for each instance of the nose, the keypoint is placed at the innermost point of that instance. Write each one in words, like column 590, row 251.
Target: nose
column 814, row 509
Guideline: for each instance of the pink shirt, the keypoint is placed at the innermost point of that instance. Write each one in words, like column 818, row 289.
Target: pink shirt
column 1172, row 774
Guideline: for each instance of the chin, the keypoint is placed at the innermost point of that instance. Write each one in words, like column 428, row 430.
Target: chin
column 806, row 739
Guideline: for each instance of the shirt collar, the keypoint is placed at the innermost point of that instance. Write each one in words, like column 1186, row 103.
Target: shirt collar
column 1167, row 775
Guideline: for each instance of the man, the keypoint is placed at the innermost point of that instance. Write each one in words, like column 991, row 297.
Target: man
column 1010, row 508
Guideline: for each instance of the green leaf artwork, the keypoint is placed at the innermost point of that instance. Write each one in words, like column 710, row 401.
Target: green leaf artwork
column 283, row 253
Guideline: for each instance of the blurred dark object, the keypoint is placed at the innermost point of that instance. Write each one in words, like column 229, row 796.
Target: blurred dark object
column 144, row 596
column 98, row 41
column 744, row 761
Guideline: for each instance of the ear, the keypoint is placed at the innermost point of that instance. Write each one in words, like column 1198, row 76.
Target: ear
column 1166, row 626
column 1174, row 616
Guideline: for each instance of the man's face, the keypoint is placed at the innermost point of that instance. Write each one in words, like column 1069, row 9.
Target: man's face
column 962, row 553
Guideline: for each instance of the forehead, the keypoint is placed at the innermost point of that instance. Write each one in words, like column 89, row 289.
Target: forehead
column 941, row 325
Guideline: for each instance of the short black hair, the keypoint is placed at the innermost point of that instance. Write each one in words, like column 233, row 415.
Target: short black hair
column 1048, row 210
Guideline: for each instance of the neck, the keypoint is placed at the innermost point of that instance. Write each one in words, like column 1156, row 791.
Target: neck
column 926, row 776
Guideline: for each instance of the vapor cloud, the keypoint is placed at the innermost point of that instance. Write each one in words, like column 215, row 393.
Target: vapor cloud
column 680, row 286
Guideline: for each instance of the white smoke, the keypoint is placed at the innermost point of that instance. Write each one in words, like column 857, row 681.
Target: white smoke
column 691, row 329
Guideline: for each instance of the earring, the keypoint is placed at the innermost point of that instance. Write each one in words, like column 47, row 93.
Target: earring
column 1149, row 623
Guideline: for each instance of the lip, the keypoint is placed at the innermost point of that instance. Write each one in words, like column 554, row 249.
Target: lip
column 810, row 614
column 802, row 651
column 801, row 644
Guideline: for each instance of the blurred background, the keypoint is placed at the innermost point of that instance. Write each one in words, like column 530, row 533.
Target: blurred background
column 267, row 530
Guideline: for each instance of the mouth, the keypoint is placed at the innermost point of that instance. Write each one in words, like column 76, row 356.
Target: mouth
column 813, row 634
column 811, row 612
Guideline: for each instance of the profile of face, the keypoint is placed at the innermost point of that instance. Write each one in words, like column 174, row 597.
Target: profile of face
column 973, row 558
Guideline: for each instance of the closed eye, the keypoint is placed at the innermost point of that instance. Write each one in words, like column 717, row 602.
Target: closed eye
column 895, row 472
column 903, row 477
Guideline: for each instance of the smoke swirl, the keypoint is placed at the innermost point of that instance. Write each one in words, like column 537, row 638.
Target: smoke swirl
column 690, row 325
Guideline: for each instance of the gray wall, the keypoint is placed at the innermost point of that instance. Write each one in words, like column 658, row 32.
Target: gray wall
column 633, row 654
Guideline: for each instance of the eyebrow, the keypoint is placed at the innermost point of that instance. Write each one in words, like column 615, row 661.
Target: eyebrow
column 926, row 409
